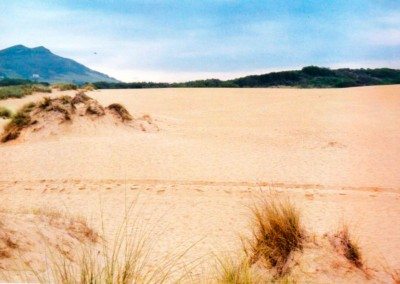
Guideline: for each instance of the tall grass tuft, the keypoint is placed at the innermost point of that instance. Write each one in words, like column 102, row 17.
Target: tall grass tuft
column 277, row 232
column 124, row 259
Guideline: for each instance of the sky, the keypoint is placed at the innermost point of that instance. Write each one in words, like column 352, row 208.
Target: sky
column 172, row 41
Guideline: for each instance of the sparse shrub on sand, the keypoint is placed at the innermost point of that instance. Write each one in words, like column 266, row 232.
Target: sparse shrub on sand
column 18, row 121
column 66, row 99
column 347, row 246
column 80, row 97
column 89, row 87
column 121, row 111
column 277, row 232
column 65, row 87
column 45, row 102
column 5, row 113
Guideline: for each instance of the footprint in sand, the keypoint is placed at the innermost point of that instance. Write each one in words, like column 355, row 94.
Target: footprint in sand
column 161, row 191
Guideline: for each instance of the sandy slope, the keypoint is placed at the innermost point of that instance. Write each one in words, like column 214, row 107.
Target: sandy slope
column 336, row 152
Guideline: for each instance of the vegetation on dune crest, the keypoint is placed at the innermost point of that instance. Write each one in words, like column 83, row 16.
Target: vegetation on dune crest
column 5, row 112
column 79, row 105
column 89, row 87
column 121, row 111
column 19, row 120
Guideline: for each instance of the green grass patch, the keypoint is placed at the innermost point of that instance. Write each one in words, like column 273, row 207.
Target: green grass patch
column 22, row 91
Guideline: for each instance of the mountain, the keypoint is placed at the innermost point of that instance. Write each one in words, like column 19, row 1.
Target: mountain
column 41, row 64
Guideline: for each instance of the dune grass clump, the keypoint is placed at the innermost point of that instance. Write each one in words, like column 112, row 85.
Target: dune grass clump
column 277, row 232
column 80, row 98
column 121, row 111
column 5, row 113
column 348, row 247
column 46, row 101
column 232, row 273
column 65, row 87
column 89, row 87
column 123, row 259
column 19, row 120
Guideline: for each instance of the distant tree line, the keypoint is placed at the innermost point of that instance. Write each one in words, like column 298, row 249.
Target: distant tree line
column 308, row 77
column 19, row 82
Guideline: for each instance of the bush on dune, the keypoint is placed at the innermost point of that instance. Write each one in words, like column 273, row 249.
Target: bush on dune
column 18, row 121
column 347, row 246
column 89, row 87
column 121, row 111
column 5, row 112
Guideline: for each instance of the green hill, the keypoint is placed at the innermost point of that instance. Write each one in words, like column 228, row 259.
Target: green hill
column 308, row 77
column 41, row 64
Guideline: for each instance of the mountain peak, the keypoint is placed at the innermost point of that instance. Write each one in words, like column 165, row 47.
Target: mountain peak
column 22, row 62
column 41, row 49
column 18, row 47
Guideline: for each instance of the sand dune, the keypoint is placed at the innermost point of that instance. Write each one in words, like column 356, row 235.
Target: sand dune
column 335, row 152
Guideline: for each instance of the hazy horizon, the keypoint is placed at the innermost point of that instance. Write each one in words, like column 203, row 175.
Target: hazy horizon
column 174, row 41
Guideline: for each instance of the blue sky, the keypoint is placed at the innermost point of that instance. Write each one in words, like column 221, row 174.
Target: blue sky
column 181, row 40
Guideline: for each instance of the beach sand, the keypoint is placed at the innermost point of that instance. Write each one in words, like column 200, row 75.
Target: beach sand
column 334, row 152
